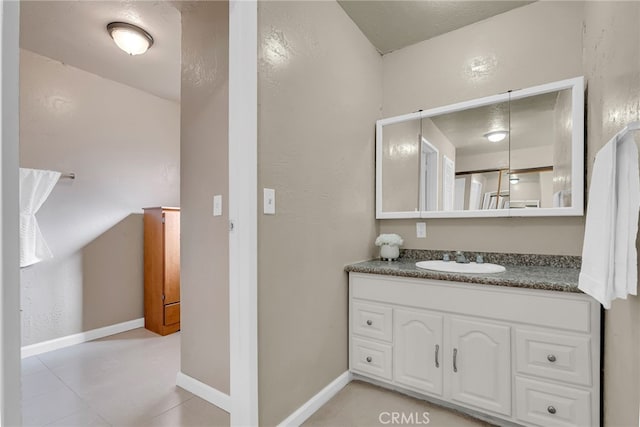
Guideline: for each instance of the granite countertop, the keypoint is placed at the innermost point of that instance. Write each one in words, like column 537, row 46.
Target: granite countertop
column 554, row 273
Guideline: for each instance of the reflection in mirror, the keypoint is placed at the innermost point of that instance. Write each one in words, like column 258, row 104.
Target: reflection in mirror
column 479, row 190
column 541, row 131
column 401, row 165
column 476, row 143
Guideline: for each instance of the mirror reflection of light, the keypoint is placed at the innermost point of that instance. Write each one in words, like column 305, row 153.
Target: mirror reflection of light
column 496, row 135
column 402, row 150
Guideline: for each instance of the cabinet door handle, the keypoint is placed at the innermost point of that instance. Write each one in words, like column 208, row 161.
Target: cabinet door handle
column 369, row 359
column 551, row 410
column 455, row 360
column 369, row 322
column 437, row 350
column 551, row 358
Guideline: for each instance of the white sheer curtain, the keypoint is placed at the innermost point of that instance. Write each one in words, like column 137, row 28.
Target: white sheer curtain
column 35, row 187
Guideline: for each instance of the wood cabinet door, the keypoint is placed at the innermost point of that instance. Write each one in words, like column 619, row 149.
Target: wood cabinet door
column 418, row 350
column 480, row 364
column 171, row 256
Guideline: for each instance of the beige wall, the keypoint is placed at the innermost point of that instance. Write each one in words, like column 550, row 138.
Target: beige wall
column 123, row 144
column 319, row 93
column 612, row 69
column 530, row 45
column 204, row 161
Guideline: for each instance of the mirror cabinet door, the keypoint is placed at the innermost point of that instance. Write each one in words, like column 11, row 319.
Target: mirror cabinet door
column 541, row 136
column 400, row 157
column 473, row 143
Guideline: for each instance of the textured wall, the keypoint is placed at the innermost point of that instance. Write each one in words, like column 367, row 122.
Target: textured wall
column 123, row 144
column 612, row 69
column 205, row 173
column 530, row 45
column 319, row 94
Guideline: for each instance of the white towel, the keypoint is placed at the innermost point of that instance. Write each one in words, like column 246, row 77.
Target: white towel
column 35, row 187
column 609, row 256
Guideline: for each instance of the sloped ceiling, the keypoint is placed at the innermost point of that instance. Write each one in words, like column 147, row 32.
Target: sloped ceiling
column 393, row 24
column 74, row 32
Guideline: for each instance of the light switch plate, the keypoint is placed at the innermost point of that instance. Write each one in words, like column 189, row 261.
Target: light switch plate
column 421, row 230
column 269, row 201
column 217, row 205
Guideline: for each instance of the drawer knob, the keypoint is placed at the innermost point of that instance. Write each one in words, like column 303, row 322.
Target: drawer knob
column 369, row 322
column 551, row 410
column 369, row 359
column 551, row 358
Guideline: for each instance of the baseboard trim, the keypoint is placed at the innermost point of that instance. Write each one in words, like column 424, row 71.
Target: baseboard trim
column 69, row 340
column 317, row 401
column 204, row 391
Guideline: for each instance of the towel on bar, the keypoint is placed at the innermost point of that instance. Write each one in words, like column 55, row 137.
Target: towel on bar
column 609, row 255
column 35, row 187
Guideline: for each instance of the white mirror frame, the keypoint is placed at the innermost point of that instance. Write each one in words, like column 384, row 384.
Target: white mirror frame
column 577, row 153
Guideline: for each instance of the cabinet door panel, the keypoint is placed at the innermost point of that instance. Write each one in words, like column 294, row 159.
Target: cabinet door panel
column 480, row 368
column 418, row 350
column 171, row 256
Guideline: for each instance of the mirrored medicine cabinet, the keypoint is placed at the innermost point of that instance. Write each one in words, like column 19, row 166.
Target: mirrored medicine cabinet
column 519, row 153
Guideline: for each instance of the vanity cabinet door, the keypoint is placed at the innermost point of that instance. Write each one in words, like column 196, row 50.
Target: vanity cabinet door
column 418, row 350
column 479, row 364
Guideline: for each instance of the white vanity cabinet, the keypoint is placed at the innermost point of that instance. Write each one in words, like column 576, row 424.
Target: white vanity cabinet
column 526, row 356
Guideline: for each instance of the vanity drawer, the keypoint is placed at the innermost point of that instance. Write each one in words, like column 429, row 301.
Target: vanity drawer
column 371, row 358
column 551, row 405
column 562, row 357
column 371, row 320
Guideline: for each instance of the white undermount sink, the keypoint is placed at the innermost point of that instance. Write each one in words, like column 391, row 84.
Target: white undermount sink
column 454, row 267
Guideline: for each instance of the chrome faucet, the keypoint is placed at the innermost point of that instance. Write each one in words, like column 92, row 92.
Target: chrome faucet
column 460, row 258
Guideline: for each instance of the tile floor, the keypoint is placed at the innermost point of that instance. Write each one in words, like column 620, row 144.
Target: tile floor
column 126, row 379
column 363, row 404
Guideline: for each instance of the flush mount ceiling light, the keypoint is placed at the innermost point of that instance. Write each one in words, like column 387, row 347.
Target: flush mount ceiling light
column 496, row 135
column 130, row 38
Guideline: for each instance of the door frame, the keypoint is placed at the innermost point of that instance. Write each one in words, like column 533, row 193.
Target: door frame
column 242, row 212
column 10, row 411
column 429, row 181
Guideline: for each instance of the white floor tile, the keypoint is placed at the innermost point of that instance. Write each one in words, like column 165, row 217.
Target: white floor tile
column 84, row 418
column 41, row 382
column 31, row 365
column 50, row 407
column 193, row 413
column 121, row 380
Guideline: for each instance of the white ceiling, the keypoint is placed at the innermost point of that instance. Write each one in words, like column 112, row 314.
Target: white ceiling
column 394, row 24
column 74, row 32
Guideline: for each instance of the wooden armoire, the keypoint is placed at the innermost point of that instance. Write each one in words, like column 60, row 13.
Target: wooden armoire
column 162, row 270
